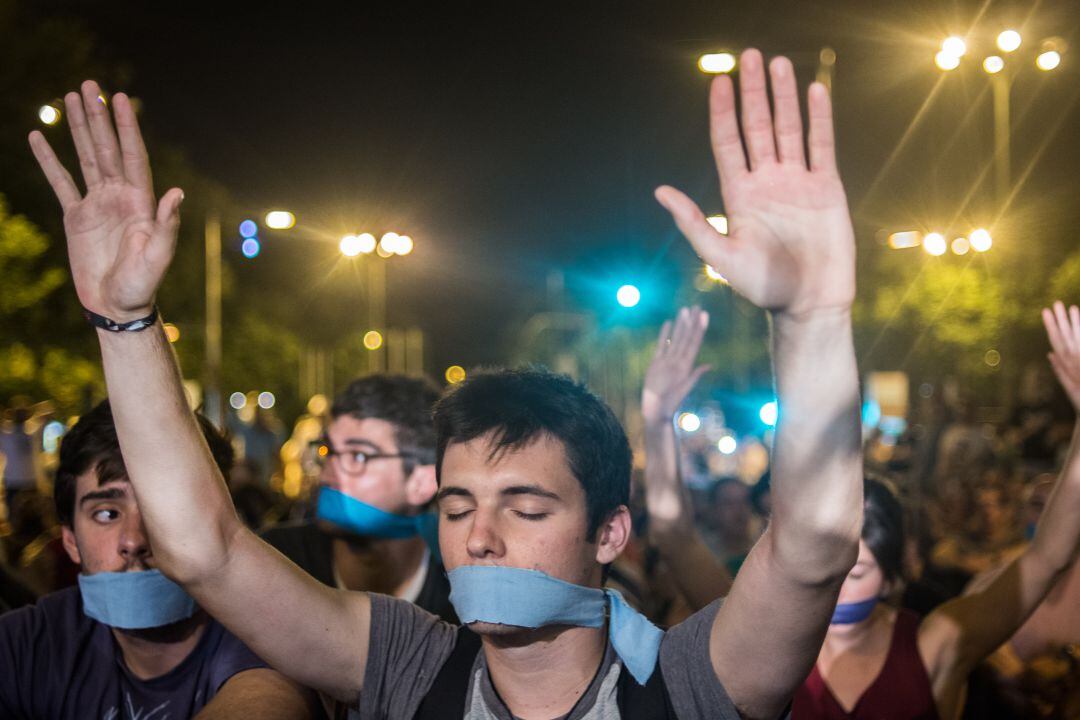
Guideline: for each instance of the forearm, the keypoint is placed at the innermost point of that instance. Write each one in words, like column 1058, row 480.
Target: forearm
column 817, row 460
column 182, row 496
column 261, row 693
column 699, row 575
column 1058, row 532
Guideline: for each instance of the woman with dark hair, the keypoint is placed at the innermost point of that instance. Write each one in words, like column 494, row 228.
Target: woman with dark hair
column 884, row 663
column 888, row 664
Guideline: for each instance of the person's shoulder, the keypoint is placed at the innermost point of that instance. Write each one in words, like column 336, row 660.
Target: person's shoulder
column 63, row 607
column 694, row 628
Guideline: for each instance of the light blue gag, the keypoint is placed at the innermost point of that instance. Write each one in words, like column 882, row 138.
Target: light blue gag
column 851, row 613
column 532, row 599
column 357, row 516
column 134, row 600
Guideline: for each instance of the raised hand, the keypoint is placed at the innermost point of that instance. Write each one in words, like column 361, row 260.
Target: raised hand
column 1063, row 329
column 791, row 246
column 672, row 374
column 120, row 241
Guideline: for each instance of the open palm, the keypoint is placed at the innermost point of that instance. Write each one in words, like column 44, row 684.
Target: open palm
column 791, row 246
column 1063, row 330
column 672, row 373
column 120, row 242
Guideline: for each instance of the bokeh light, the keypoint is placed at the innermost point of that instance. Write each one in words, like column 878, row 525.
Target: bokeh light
column 993, row 64
column 954, row 46
column 945, row 61
column 280, row 219
column 249, row 229
column 689, row 422
column 267, row 400
column 769, row 413
column 934, row 243
column 981, row 240
column 171, row 332
column 237, row 400
column 49, row 114
column 373, row 340
column 719, row 223
column 455, row 374
column 727, row 445
column 628, row 296
column 1009, row 40
column 1048, row 60
column 717, row 63
column 250, row 248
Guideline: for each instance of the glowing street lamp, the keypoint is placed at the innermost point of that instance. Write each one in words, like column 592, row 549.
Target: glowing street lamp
column 628, row 296
column 981, row 240
column 280, row 220
column 49, row 114
column 716, row 63
column 1009, row 40
column 934, row 243
column 993, row 64
column 954, row 46
column 689, row 422
column 1048, row 60
column 947, row 61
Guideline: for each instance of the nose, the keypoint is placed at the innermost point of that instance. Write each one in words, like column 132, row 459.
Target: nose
column 484, row 541
column 134, row 545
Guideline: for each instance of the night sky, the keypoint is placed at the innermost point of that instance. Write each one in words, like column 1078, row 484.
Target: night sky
column 510, row 139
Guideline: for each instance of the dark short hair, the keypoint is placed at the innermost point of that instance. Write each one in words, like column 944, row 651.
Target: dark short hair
column 92, row 443
column 883, row 528
column 405, row 402
column 520, row 406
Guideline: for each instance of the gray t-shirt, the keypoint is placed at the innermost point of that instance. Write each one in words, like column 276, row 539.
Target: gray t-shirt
column 409, row 646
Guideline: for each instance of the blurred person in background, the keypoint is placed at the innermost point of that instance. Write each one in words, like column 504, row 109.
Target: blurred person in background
column 127, row 642
column 377, row 480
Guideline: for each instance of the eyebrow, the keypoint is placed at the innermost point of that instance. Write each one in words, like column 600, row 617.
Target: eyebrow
column 452, row 491
column 530, row 490
column 106, row 494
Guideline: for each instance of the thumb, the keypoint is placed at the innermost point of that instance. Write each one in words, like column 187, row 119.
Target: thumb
column 167, row 224
column 710, row 245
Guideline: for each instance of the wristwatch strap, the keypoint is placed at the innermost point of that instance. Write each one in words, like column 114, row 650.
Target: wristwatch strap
column 100, row 321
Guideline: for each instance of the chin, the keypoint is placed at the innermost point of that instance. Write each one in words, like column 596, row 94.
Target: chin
column 498, row 629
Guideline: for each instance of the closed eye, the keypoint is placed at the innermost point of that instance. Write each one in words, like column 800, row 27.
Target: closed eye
column 532, row 517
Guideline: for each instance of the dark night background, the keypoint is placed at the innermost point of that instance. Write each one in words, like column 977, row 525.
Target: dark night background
column 509, row 139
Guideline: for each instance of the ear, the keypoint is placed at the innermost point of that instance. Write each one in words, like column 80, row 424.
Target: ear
column 67, row 536
column 613, row 536
column 420, row 486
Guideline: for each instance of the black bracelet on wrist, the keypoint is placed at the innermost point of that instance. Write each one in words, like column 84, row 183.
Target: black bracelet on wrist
column 100, row 321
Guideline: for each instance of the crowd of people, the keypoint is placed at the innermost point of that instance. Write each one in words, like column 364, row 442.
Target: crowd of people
column 492, row 552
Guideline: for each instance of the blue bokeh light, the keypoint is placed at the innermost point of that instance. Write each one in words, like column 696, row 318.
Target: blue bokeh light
column 249, row 229
column 250, row 248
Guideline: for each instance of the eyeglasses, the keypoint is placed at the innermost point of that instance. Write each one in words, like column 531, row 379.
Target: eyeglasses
column 352, row 462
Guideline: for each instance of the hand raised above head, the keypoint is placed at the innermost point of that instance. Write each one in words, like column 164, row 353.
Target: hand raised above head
column 672, row 373
column 120, row 241
column 791, row 247
column 1063, row 330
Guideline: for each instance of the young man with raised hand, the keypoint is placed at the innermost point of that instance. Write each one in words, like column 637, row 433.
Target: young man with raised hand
column 373, row 529
column 521, row 532
column 127, row 642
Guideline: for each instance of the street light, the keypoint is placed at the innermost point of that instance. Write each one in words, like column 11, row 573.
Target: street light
column 946, row 60
column 954, row 46
column 717, row 63
column 49, row 114
column 1009, row 41
column 1048, row 60
column 628, row 296
column 280, row 219
column 981, row 240
column 993, row 64
column 934, row 243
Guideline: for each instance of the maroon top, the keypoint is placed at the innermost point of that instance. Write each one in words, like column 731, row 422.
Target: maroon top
column 901, row 691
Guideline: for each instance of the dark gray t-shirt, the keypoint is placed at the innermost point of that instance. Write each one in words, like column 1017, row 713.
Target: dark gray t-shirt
column 408, row 647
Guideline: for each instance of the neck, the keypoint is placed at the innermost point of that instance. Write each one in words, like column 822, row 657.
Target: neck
column 375, row 565
column 154, row 652
column 543, row 673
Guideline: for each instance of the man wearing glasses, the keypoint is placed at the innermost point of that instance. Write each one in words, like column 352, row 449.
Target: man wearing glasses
column 372, row 530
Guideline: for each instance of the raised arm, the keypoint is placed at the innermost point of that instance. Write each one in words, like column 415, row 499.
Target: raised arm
column 791, row 251
column 120, row 243
column 671, row 375
column 960, row 633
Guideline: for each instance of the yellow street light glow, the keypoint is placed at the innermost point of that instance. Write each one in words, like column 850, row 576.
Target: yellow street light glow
column 366, row 243
column 934, row 243
column 905, row 239
column 1009, row 40
column 981, row 240
column 992, row 358
column 954, row 46
column 993, row 64
column 49, row 114
column 455, row 374
column 404, row 245
column 373, row 339
column 387, row 244
column 171, row 332
column 280, row 219
column 350, row 246
column 961, row 245
column 716, row 63
column 1048, row 60
column 719, row 223
column 946, row 61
